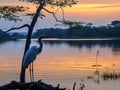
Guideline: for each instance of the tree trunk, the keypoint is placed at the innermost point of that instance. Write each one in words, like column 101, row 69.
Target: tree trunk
column 28, row 41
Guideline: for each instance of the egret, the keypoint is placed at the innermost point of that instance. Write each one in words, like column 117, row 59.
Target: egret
column 31, row 55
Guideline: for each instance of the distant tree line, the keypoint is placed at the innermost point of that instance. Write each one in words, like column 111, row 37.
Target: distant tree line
column 11, row 36
column 82, row 30
column 51, row 32
column 3, row 36
column 75, row 30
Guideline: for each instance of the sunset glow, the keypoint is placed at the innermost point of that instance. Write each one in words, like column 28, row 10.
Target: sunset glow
column 61, row 44
column 99, row 13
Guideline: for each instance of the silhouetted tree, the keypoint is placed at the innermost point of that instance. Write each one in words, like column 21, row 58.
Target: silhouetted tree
column 11, row 12
column 115, row 23
column 41, row 6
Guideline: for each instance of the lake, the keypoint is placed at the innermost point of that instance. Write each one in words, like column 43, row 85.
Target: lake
column 65, row 62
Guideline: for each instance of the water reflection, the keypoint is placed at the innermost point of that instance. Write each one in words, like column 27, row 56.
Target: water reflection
column 64, row 62
column 114, row 44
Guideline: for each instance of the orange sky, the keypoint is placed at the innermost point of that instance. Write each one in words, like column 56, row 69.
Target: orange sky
column 95, row 13
column 98, row 12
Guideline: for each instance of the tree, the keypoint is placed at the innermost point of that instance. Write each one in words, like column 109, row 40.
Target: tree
column 115, row 23
column 41, row 6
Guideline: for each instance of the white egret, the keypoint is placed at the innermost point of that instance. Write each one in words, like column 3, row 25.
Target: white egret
column 31, row 55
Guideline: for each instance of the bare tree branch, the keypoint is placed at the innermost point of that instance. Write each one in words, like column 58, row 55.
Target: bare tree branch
column 53, row 15
column 62, row 12
column 25, row 25
column 57, row 9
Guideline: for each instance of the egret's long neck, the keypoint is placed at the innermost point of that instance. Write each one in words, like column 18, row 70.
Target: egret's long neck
column 40, row 46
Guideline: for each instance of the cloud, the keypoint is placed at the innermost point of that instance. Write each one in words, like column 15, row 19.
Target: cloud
column 106, row 6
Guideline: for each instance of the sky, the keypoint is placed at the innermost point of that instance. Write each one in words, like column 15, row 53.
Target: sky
column 99, row 13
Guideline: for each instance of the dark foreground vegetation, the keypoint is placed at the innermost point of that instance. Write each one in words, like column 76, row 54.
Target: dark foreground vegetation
column 39, row 85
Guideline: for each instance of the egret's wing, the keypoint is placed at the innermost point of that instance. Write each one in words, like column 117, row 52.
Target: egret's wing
column 30, row 56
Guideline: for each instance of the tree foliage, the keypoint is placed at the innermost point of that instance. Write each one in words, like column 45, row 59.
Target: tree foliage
column 73, row 24
column 11, row 12
column 115, row 23
column 54, row 2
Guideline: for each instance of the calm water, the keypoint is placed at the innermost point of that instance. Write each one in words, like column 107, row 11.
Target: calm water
column 65, row 62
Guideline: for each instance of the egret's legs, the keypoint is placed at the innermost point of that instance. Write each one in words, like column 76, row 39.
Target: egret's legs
column 32, row 72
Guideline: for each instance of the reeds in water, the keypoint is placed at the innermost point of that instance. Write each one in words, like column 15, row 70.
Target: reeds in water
column 110, row 76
